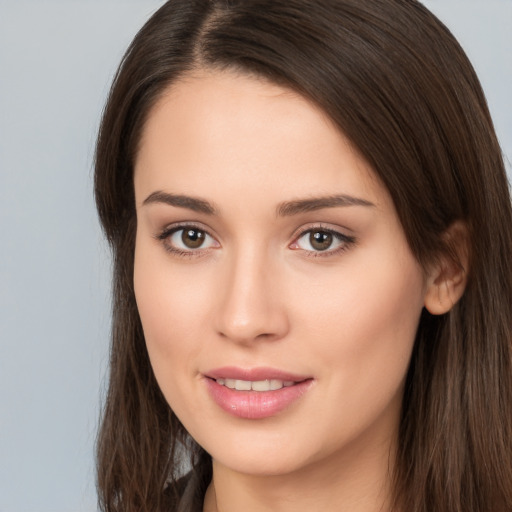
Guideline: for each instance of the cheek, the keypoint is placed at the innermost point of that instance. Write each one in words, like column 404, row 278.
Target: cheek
column 362, row 325
column 168, row 304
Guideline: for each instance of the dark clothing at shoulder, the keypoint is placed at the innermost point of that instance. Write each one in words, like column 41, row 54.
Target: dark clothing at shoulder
column 186, row 494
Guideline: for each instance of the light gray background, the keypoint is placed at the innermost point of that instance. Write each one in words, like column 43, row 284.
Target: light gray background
column 56, row 61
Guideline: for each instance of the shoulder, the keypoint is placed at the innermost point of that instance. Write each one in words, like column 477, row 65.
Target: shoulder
column 185, row 494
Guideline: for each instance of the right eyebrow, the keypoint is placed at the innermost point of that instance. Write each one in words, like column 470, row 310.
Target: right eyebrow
column 195, row 204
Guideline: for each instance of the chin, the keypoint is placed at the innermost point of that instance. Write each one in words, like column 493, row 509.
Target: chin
column 261, row 463
column 261, row 453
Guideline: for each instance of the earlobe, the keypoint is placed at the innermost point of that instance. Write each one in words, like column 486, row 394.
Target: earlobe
column 447, row 279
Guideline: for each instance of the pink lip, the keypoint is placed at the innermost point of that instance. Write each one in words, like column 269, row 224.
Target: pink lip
column 255, row 404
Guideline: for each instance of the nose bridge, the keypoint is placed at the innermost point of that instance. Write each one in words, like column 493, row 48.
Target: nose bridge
column 250, row 306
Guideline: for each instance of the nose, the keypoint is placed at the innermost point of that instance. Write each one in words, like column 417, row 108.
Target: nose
column 250, row 305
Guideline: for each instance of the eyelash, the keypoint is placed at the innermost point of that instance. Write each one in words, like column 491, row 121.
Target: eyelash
column 169, row 231
column 345, row 241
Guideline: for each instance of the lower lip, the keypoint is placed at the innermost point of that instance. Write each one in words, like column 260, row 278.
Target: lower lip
column 255, row 405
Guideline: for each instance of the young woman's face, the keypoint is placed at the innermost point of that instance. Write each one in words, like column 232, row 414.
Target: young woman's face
column 278, row 296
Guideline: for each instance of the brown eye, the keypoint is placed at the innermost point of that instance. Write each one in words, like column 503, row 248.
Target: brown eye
column 188, row 239
column 193, row 238
column 326, row 241
column 320, row 240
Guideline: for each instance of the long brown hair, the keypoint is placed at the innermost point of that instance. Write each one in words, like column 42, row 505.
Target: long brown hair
column 398, row 85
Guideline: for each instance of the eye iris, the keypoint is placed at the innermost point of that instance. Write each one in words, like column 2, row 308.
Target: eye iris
column 320, row 240
column 193, row 238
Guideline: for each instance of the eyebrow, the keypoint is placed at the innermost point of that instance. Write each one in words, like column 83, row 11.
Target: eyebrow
column 181, row 201
column 290, row 208
column 285, row 209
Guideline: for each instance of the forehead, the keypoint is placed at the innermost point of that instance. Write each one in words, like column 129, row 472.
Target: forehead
column 221, row 129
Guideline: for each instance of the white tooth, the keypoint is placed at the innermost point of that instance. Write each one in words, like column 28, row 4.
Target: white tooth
column 276, row 384
column 222, row 382
column 261, row 385
column 230, row 383
column 288, row 383
column 243, row 385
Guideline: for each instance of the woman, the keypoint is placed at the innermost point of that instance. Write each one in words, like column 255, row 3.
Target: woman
column 311, row 229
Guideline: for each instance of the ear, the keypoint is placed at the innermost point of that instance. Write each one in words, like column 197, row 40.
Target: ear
column 447, row 277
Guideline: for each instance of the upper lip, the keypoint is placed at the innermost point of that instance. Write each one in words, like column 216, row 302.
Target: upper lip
column 254, row 374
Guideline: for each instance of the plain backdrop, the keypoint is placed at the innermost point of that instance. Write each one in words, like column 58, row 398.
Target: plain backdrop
column 57, row 59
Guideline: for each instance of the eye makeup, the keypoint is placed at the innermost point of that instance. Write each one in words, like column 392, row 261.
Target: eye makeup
column 322, row 242
column 188, row 239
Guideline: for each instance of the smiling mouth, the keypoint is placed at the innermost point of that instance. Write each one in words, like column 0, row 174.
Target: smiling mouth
column 255, row 385
column 256, row 399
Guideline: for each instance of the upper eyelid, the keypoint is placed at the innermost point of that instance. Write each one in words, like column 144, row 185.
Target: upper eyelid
column 176, row 226
column 341, row 231
column 343, row 238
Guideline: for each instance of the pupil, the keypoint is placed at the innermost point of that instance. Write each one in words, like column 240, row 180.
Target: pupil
column 320, row 240
column 192, row 238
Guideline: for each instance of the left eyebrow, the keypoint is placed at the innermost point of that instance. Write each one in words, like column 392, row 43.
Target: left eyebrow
column 289, row 208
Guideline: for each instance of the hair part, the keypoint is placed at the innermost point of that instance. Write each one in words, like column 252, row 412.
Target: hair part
column 400, row 88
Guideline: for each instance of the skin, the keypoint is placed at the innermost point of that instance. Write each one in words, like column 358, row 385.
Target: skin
column 256, row 293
